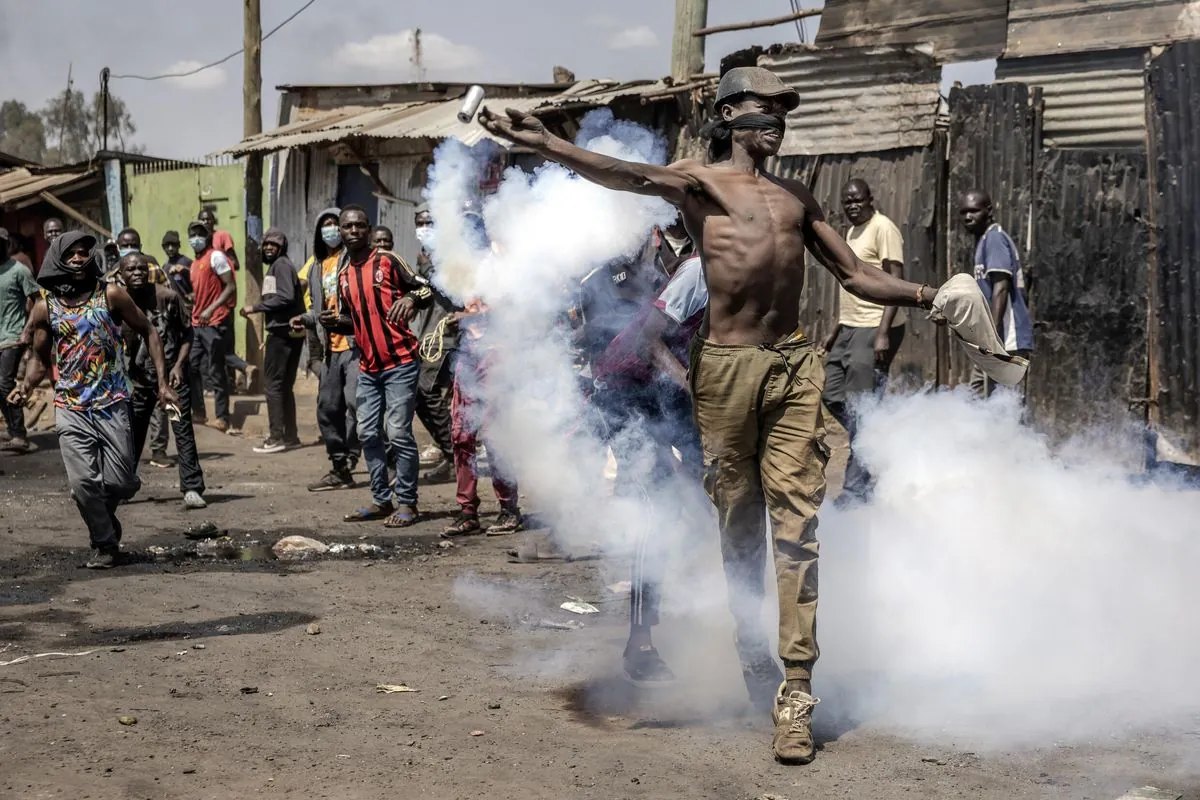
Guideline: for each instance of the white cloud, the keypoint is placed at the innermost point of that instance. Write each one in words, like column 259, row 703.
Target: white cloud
column 393, row 53
column 639, row 36
column 210, row 78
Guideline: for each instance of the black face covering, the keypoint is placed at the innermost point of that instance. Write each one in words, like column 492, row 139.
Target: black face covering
column 722, row 130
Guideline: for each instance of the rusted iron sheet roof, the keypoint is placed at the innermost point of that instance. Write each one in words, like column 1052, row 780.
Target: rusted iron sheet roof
column 1040, row 27
column 20, row 185
column 857, row 99
column 959, row 30
column 1091, row 99
column 433, row 120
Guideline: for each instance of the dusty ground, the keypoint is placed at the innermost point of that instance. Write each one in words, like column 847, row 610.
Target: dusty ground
column 556, row 722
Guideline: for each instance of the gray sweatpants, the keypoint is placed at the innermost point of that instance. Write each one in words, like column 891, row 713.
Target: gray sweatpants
column 97, row 451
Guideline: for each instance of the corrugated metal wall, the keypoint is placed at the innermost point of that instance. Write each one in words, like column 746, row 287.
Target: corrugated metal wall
column 1089, row 365
column 1175, row 143
column 405, row 178
column 291, row 180
column 991, row 134
column 1038, row 27
column 857, row 100
column 960, row 30
column 904, row 184
column 1090, row 99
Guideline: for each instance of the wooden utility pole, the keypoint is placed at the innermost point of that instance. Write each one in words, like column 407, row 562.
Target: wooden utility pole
column 252, row 126
column 687, row 49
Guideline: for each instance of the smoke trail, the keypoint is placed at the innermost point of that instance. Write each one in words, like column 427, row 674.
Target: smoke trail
column 996, row 590
column 547, row 230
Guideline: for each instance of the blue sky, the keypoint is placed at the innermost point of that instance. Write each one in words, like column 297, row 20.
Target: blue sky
column 341, row 41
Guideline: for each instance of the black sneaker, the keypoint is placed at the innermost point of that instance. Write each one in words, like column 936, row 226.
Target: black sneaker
column 102, row 558
column 271, row 446
column 509, row 521
column 762, row 682
column 334, row 479
column 645, row 669
column 442, row 472
column 160, row 459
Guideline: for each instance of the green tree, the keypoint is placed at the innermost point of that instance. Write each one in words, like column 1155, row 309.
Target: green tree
column 77, row 126
column 22, row 133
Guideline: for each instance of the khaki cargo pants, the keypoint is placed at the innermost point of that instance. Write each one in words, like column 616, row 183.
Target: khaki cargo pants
column 758, row 409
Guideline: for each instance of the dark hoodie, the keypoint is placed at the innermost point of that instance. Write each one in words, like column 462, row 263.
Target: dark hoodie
column 59, row 277
column 281, row 297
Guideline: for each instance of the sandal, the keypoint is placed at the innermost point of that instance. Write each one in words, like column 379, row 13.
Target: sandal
column 404, row 517
column 369, row 514
column 464, row 525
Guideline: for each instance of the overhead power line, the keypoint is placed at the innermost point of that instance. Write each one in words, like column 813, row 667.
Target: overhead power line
column 237, row 52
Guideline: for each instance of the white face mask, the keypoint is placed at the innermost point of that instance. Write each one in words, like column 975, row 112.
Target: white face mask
column 425, row 237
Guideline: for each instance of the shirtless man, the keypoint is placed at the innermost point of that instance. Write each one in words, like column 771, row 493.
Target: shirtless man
column 756, row 381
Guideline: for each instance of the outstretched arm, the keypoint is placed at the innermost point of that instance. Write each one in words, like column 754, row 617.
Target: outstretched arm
column 859, row 279
column 37, row 329
column 670, row 183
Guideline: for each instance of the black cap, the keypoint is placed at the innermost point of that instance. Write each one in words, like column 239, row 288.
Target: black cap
column 170, row 237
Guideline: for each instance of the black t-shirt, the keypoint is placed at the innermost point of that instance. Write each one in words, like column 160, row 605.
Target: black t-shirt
column 174, row 328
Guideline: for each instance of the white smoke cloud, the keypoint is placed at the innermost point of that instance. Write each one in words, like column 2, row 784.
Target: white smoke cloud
column 393, row 53
column 999, row 591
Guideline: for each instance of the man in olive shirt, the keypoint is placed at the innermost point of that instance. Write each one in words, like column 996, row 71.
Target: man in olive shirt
column 867, row 336
column 17, row 293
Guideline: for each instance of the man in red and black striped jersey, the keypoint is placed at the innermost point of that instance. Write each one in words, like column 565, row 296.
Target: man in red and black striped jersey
column 377, row 296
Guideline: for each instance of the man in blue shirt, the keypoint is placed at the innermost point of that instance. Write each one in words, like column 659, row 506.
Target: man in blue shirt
column 1000, row 277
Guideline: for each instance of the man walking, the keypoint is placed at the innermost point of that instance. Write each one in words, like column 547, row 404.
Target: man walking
column 756, row 381
column 338, row 356
column 436, row 382
column 868, row 336
column 163, row 307
column 81, row 319
column 377, row 296
column 223, row 242
column 212, row 285
column 280, row 303
column 17, row 295
column 999, row 275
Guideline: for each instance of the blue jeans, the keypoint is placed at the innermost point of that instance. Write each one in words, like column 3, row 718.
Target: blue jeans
column 386, row 402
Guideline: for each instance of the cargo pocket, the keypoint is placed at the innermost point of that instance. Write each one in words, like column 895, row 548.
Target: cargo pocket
column 710, row 476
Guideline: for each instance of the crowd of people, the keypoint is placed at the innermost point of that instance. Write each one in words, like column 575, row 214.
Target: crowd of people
column 704, row 357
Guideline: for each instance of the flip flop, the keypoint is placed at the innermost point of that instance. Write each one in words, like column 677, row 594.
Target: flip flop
column 367, row 514
column 404, row 517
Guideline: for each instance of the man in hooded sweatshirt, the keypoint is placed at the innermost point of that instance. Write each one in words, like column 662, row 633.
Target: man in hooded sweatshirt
column 281, row 301
column 338, row 370
column 80, row 318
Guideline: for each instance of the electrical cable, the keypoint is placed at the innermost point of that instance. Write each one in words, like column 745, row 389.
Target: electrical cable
column 238, row 52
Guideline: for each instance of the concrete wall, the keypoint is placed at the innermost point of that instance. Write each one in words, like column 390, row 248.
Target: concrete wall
column 168, row 199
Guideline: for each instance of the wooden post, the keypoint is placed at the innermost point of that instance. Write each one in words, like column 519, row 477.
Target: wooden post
column 252, row 126
column 687, row 49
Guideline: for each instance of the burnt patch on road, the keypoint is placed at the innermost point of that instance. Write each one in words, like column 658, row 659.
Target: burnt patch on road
column 236, row 625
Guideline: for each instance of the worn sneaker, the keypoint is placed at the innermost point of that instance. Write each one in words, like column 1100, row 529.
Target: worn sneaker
column 430, row 456
column 793, row 741
column 159, row 458
column 193, row 500
column 271, row 446
column 509, row 521
column 17, row 445
column 645, row 669
column 218, row 425
column 102, row 558
column 334, row 479
column 442, row 472
column 463, row 525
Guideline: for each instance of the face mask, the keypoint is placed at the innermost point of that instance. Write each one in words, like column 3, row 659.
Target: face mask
column 198, row 243
column 124, row 251
column 331, row 236
column 425, row 237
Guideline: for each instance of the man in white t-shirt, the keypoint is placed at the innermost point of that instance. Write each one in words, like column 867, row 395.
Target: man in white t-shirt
column 867, row 336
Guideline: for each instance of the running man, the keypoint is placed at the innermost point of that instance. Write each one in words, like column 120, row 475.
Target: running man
column 81, row 317
column 755, row 379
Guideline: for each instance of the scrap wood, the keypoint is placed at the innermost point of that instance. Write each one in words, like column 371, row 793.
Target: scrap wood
column 393, row 688
column 44, row 655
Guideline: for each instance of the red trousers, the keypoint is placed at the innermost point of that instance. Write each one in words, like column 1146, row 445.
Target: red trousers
column 467, row 415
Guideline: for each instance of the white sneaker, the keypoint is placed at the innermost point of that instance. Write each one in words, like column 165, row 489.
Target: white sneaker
column 430, row 456
column 271, row 446
column 193, row 500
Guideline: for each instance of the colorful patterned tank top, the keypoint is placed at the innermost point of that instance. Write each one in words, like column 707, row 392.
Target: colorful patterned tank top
column 89, row 354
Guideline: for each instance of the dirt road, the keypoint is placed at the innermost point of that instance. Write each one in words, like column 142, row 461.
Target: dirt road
column 233, row 697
